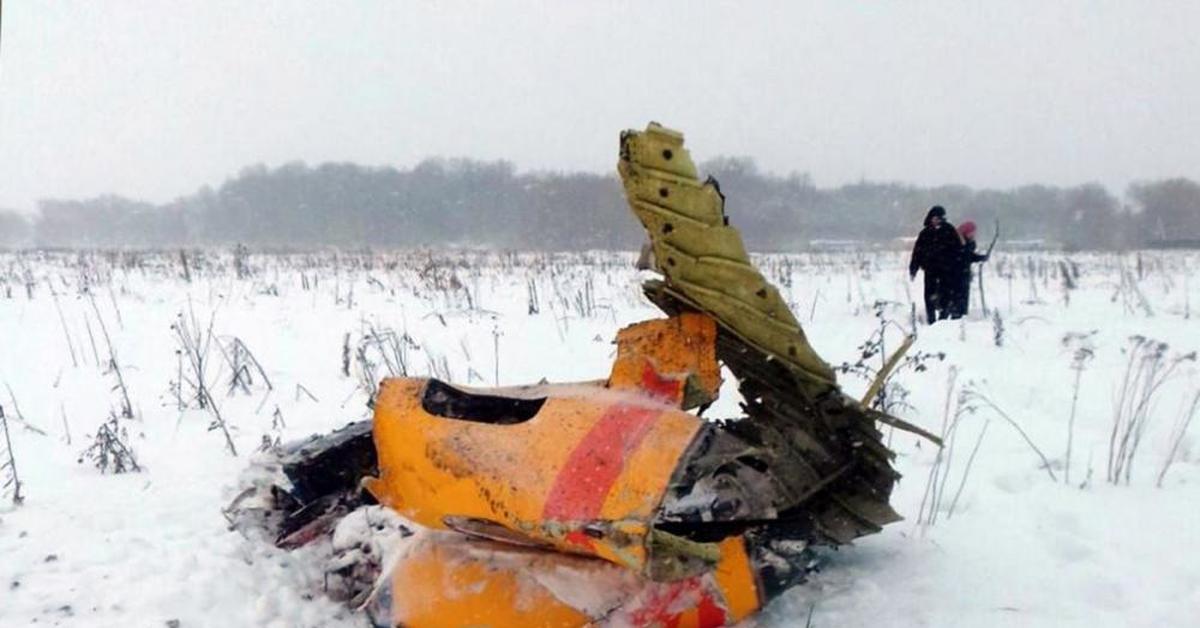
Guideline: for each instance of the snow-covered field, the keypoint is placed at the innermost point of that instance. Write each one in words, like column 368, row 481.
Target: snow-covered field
column 993, row 536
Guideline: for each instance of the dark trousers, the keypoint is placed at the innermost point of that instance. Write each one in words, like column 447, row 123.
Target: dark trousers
column 939, row 295
column 962, row 296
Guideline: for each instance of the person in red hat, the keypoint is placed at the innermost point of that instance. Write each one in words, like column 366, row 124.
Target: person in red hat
column 962, row 293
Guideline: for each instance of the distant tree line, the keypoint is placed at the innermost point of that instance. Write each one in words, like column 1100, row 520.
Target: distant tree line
column 14, row 229
column 467, row 202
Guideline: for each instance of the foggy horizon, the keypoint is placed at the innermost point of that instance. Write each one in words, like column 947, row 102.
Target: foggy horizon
column 31, row 210
column 152, row 101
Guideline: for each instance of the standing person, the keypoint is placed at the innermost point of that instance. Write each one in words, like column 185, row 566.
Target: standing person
column 962, row 295
column 937, row 252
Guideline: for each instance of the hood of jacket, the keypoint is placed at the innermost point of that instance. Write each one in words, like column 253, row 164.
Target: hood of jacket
column 936, row 210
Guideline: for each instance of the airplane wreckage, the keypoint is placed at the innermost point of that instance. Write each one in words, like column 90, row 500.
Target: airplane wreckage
column 601, row 503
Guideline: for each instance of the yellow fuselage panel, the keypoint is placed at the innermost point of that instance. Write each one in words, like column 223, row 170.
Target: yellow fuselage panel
column 591, row 458
column 448, row 580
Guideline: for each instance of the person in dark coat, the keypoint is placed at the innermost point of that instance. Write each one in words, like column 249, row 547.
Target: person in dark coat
column 938, row 252
column 962, row 296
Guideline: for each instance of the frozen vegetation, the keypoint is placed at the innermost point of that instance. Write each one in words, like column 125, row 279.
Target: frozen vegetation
column 137, row 387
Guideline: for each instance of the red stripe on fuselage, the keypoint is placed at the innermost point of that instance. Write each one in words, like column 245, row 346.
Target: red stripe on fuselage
column 661, row 388
column 587, row 477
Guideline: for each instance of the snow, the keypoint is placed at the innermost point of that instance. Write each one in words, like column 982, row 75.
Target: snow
column 92, row 549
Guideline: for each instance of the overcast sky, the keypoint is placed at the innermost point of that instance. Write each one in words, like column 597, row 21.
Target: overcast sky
column 152, row 99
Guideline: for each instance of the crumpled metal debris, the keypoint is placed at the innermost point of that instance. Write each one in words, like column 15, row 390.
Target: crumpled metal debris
column 608, row 501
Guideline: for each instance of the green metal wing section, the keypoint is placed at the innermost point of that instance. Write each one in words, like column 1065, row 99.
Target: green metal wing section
column 703, row 258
